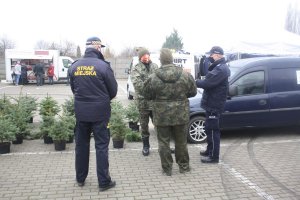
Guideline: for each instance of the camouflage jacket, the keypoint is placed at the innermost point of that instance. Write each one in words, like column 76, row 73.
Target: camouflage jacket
column 140, row 73
column 169, row 88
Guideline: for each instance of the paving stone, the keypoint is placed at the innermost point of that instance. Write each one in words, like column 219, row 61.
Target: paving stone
column 248, row 171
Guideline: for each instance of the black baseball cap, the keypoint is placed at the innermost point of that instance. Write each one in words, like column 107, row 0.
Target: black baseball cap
column 216, row 50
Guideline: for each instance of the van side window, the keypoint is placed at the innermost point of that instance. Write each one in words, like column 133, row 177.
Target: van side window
column 251, row 83
column 284, row 80
column 66, row 62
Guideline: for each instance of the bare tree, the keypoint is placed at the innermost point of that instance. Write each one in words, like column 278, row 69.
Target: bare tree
column 68, row 48
column 42, row 44
column 54, row 46
column 292, row 22
column 6, row 43
column 78, row 52
column 128, row 52
column 108, row 53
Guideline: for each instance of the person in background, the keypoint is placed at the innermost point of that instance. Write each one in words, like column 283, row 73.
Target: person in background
column 169, row 87
column 23, row 77
column 139, row 75
column 18, row 71
column 94, row 86
column 39, row 71
column 50, row 73
column 215, row 87
column 12, row 71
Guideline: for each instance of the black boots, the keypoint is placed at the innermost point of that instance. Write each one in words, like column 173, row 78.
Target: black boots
column 146, row 146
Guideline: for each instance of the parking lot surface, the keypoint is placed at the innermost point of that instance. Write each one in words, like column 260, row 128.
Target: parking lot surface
column 255, row 164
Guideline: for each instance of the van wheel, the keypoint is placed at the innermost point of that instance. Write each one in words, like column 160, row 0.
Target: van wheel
column 130, row 97
column 196, row 133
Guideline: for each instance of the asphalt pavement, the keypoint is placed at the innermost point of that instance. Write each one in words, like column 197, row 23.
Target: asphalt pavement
column 255, row 164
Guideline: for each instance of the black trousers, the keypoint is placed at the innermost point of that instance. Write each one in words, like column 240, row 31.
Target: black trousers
column 39, row 79
column 82, row 150
column 213, row 133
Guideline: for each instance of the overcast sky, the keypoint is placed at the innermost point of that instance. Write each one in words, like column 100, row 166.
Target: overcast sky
column 129, row 23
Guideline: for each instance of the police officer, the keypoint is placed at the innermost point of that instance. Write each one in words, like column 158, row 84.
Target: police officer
column 169, row 88
column 215, row 87
column 139, row 75
column 93, row 85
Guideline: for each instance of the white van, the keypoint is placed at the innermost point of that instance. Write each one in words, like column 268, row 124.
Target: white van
column 31, row 57
column 186, row 61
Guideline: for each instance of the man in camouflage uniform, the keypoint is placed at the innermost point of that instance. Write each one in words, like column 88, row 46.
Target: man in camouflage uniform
column 139, row 75
column 169, row 88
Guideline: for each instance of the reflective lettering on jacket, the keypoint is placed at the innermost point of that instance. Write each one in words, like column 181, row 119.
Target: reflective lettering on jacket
column 85, row 71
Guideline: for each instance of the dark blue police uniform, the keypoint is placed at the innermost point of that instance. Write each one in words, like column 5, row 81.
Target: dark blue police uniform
column 215, row 87
column 93, row 85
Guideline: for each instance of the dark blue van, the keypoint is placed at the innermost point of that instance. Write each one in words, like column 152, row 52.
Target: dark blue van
column 263, row 92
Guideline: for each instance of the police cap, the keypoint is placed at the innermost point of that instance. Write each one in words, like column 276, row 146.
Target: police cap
column 94, row 41
column 216, row 50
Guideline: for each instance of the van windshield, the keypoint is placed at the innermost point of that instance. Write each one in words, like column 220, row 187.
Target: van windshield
column 233, row 70
column 234, row 66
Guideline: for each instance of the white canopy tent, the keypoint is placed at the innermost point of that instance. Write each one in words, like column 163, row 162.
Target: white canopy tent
column 279, row 42
column 275, row 43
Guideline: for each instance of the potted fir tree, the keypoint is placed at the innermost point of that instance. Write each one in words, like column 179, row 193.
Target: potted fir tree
column 45, row 127
column 29, row 103
column 70, row 122
column 19, row 116
column 5, row 105
column 117, row 124
column 7, row 134
column 69, row 115
column 7, row 127
column 68, row 106
column 132, row 115
column 133, row 136
column 49, row 108
column 60, row 133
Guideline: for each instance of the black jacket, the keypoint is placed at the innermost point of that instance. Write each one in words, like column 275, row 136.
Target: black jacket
column 215, row 87
column 39, row 69
column 93, row 85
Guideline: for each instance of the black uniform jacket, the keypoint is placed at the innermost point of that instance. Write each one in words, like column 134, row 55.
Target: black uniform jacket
column 93, row 85
column 215, row 87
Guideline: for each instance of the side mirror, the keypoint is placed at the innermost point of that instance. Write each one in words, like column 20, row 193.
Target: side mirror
column 127, row 71
column 233, row 90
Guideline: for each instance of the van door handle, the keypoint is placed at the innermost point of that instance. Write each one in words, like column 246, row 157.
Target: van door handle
column 262, row 102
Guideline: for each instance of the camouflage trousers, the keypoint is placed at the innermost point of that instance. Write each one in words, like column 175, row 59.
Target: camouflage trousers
column 179, row 134
column 144, row 122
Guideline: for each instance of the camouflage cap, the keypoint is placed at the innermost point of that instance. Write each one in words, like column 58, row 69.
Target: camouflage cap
column 142, row 52
column 166, row 56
